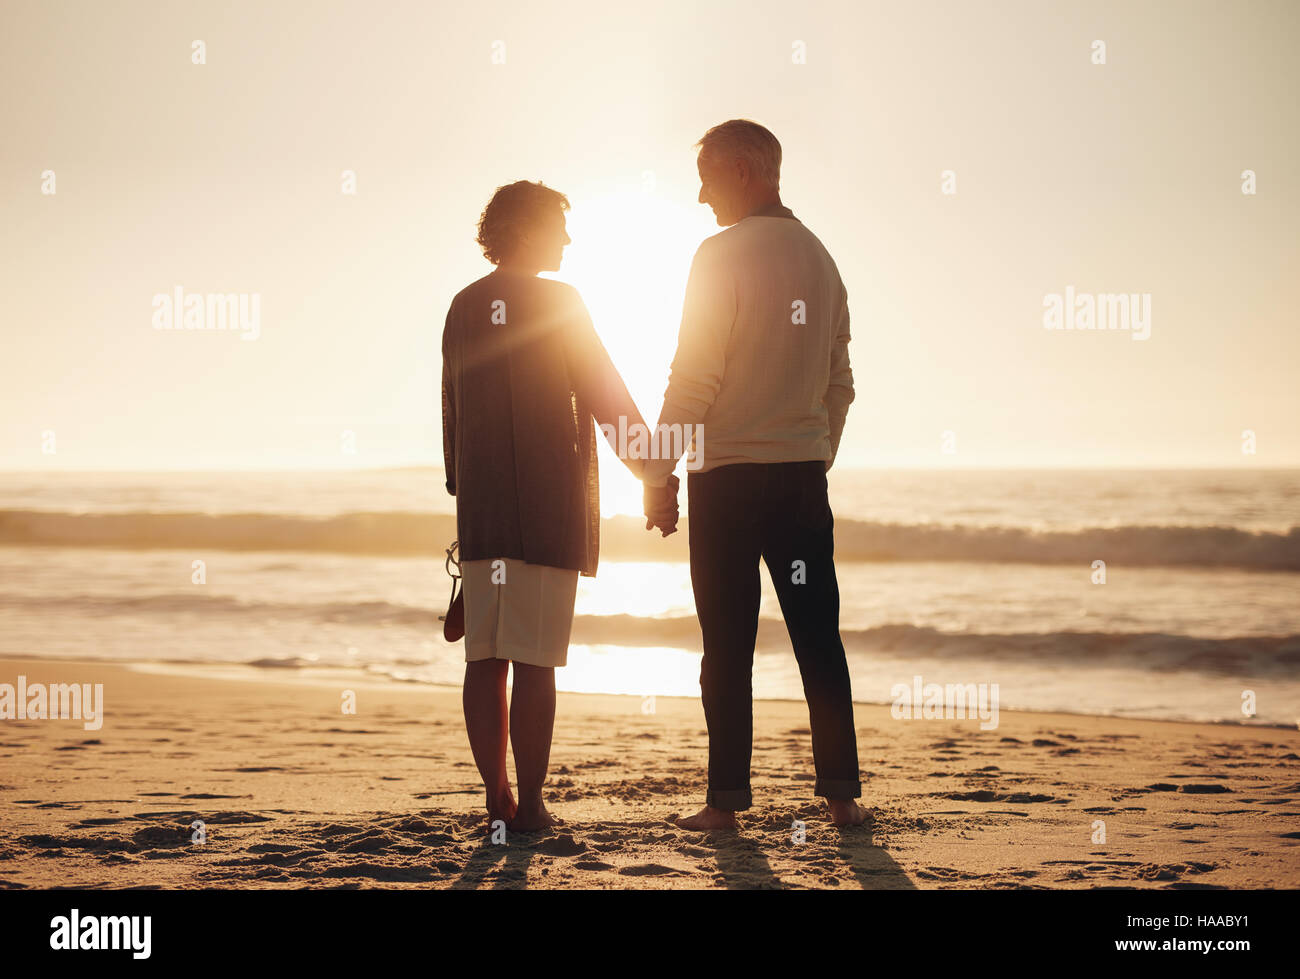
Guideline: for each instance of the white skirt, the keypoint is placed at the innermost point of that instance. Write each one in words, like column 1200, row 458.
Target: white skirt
column 518, row 611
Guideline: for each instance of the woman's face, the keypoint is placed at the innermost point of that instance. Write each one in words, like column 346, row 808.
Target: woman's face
column 543, row 247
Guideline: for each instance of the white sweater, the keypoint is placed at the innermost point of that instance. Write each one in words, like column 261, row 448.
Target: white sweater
column 762, row 360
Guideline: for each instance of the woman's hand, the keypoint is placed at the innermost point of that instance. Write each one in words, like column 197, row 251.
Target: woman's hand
column 660, row 505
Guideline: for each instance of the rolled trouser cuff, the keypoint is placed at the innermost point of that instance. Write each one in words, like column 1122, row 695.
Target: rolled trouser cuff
column 732, row 799
column 838, row 788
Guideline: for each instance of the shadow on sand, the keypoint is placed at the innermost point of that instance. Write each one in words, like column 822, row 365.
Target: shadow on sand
column 513, row 874
column 744, row 865
column 830, row 858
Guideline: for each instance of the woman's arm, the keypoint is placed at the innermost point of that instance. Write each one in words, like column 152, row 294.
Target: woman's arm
column 601, row 386
column 448, row 411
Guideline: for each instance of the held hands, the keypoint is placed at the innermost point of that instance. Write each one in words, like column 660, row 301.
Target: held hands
column 661, row 508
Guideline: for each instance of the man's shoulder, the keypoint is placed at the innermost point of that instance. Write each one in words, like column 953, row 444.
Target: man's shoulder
column 730, row 246
column 716, row 243
column 746, row 240
column 765, row 228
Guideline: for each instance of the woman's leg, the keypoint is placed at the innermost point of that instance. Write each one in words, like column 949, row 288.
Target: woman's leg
column 486, row 720
column 532, row 720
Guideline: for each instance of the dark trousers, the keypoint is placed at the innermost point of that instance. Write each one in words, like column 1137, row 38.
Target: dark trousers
column 779, row 512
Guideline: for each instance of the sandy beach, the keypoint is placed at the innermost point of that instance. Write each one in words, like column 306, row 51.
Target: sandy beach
column 293, row 793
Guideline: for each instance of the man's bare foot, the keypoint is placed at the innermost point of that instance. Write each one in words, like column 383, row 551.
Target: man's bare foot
column 708, row 819
column 531, row 818
column 846, row 812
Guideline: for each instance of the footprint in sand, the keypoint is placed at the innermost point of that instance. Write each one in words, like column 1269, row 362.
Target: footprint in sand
column 649, row 870
column 564, row 845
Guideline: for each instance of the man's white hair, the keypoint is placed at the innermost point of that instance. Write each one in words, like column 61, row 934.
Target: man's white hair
column 741, row 139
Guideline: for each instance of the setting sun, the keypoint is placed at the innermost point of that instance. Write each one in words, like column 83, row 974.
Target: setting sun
column 631, row 254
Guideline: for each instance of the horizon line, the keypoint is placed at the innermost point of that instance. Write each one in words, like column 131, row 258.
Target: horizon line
column 912, row 467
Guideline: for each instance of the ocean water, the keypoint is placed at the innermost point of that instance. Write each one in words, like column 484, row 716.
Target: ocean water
column 961, row 577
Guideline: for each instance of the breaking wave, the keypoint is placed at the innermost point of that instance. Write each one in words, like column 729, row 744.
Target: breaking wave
column 426, row 535
column 1153, row 651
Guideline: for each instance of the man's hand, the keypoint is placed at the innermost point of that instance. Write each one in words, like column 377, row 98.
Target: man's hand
column 660, row 504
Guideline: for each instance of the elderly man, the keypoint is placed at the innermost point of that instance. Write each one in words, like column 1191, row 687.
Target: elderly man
column 762, row 366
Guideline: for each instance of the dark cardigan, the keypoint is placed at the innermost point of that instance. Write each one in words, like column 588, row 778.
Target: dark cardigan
column 525, row 378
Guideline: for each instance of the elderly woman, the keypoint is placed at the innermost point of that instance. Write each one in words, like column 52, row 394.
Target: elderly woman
column 525, row 382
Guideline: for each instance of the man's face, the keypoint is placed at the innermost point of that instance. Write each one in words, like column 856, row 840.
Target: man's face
column 720, row 188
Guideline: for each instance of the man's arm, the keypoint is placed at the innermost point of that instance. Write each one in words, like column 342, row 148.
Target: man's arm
column 708, row 315
column 839, row 392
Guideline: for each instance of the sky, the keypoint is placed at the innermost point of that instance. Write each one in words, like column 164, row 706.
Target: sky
column 228, row 177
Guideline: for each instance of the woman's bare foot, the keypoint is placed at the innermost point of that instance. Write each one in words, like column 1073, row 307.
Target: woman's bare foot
column 708, row 819
column 846, row 812
column 531, row 818
column 501, row 805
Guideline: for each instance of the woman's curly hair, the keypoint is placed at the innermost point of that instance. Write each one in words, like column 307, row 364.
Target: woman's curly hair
column 513, row 209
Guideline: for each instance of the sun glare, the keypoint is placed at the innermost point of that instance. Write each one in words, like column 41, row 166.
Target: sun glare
column 629, row 259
